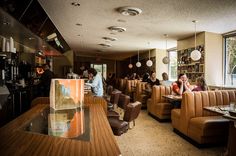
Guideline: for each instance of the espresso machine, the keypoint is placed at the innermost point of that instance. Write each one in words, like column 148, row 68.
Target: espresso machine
column 3, row 58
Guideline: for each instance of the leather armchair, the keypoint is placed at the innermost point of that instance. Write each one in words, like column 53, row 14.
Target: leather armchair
column 132, row 111
column 113, row 101
column 123, row 101
column 121, row 126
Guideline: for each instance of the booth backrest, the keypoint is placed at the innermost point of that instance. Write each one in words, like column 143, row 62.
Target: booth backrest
column 122, row 85
column 140, row 86
column 158, row 92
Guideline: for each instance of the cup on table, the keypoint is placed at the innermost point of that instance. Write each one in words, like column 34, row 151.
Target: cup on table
column 232, row 106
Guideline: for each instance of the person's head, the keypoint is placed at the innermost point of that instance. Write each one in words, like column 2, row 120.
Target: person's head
column 109, row 75
column 113, row 75
column 165, row 76
column 145, row 77
column 202, row 83
column 182, row 77
column 46, row 66
column 92, row 72
column 153, row 75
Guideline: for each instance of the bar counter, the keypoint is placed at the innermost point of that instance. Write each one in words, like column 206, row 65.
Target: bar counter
column 15, row 141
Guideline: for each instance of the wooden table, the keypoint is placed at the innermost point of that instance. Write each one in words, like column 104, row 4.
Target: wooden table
column 223, row 110
column 172, row 97
column 15, row 141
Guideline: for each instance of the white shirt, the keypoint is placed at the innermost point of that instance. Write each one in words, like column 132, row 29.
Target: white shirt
column 166, row 83
column 97, row 85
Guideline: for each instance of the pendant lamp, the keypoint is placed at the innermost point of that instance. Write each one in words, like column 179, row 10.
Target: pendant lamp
column 138, row 64
column 130, row 64
column 166, row 59
column 149, row 62
column 195, row 54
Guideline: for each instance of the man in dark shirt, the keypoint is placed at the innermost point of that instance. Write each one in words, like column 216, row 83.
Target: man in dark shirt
column 45, row 80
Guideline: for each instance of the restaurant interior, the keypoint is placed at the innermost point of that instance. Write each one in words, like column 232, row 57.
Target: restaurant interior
column 124, row 77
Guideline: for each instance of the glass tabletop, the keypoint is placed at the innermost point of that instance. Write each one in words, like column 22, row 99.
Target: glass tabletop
column 67, row 123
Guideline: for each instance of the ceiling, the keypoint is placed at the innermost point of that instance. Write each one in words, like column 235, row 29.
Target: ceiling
column 158, row 17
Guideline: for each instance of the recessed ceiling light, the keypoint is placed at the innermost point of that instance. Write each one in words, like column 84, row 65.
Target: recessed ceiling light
column 5, row 23
column 75, row 4
column 129, row 11
column 121, row 20
column 31, row 38
column 117, row 29
column 105, row 45
column 78, row 24
column 110, row 38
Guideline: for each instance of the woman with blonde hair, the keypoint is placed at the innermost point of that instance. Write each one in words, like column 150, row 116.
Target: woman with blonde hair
column 201, row 85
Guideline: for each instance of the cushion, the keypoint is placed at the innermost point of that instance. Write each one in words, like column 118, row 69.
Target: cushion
column 208, row 125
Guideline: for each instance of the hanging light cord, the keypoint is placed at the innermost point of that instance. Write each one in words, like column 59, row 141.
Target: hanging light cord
column 149, row 54
column 138, row 55
column 149, row 50
column 195, row 34
column 166, row 43
column 166, row 46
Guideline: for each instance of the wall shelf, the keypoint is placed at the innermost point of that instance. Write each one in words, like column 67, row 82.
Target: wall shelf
column 193, row 69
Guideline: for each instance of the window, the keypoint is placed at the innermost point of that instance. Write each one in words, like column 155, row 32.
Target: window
column 173, row 65
column 100, row 68
column 230, row 60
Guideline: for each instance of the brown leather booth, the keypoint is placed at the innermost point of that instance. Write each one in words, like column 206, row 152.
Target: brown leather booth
column 200, row 125
column 139, row 96
column 158, row 106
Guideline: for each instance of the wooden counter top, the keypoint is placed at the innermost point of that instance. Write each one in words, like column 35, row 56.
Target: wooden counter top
column 15, row 141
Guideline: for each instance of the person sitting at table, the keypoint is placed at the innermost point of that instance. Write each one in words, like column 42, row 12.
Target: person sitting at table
column 96, row 82
column 181, row 85
column 134, row 76
column 152, row 81
column 201, row 85
column 145, row 77
column 165, row 81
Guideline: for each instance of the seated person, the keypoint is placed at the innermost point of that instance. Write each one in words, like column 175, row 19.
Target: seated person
column 165, row 81
column 111, row 79
column 152, row 81
column 145, row 77
column 201, row 85
column 96, row 82
column 72, row 75
column 179, row 87
column 134, row 76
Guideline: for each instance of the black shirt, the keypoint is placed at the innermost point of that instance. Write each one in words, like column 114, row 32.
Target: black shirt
column 45, row 81
column 152, row 83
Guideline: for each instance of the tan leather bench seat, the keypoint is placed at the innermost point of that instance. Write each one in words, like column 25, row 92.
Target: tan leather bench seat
column 208, row 126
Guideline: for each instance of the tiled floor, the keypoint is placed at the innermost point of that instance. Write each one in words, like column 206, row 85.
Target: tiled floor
column 152, row 138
